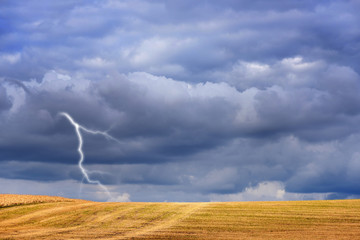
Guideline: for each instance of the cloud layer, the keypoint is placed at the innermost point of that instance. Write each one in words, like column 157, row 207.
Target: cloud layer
column 238, row 100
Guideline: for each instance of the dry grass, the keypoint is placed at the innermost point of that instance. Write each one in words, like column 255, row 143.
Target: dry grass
column 7, row 200
column 339, row 219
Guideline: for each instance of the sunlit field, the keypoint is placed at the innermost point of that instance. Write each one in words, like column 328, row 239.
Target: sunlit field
column 7, row 200
column 43, row 217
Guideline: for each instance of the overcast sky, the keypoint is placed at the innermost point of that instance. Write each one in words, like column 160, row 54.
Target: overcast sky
column 230, row 100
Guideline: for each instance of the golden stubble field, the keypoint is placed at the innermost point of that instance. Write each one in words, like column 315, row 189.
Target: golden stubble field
column 44, row 217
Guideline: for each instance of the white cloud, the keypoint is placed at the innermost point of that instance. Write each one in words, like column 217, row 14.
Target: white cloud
column 286, row 72
column 10, row 58
column 156, row 50
column 268, row 191
column 53, row 81
column 125, row 197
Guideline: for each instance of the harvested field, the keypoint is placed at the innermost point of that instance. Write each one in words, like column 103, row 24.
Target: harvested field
column 7, row 200
column 335, row 219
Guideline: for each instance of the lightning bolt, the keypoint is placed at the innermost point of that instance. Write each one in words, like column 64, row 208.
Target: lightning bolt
column 78, row 129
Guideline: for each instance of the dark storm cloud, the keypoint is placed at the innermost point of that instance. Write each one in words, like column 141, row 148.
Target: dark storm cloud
column 35, row 171
column 225, row 98
column 5, row 102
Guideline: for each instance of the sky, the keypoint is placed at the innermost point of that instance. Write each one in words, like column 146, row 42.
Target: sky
column 232, row 100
